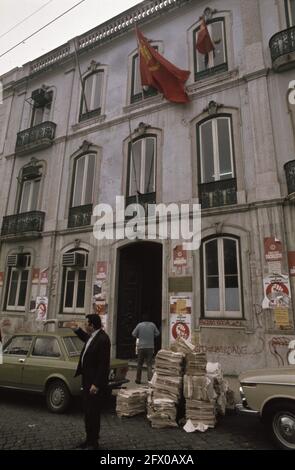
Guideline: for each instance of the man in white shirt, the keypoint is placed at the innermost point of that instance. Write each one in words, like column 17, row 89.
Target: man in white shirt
column 145, row 332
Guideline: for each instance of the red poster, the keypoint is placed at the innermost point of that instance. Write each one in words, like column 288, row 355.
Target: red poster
column 291, row 261
column 179, row 256
column 44, row 277
column 101, row 270
column 1, row 278
column 272, row 249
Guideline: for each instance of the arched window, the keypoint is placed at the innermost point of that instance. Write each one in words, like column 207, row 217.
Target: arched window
column 141, row 177
column 221, row 278
column 82, row 190
column 91, row 98
column 216, row 61
column 75, row 263
column 217, row 181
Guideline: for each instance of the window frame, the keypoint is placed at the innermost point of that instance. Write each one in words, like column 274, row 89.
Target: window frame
column 85, row 176
column 216, row 159
column 31, row 181
column 143, row 95
column 66, row 269
column 84, row 115
column 142, row 166
column 222, row 314
column 46, row 109
column 11, row 269
column 199, row 75
column 290, row 21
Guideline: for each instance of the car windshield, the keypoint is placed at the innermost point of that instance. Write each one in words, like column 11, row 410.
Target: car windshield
column 74, row 345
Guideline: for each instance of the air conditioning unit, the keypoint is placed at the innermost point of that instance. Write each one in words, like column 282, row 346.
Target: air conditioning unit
column 73, row 259
column 41, row 97
column 17, row 261
column 30, row 172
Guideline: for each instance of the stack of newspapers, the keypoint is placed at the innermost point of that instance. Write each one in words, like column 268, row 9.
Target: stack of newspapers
column 131, row 402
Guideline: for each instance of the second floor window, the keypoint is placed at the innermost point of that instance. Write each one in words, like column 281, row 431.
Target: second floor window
column 83, row 180
column 141, row 166
column 217, row 59
column 138, row 92
column 91, row 99
column 290, row 12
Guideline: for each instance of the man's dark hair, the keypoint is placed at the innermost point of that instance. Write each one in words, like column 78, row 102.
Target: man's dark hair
column 146, row 315
column 94, row 320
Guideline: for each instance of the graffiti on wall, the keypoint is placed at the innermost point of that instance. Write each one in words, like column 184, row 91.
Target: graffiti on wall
column 282, row 349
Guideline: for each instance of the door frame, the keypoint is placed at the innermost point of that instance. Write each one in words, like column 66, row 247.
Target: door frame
column 114, row 282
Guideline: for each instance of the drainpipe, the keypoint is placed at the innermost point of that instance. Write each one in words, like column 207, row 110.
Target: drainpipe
column 54, row 237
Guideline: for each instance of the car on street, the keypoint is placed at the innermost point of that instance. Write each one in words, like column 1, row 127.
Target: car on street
column 45, row 362
column 270, row 393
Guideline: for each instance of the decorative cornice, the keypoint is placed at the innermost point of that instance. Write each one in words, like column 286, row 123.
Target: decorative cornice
column 120, row 24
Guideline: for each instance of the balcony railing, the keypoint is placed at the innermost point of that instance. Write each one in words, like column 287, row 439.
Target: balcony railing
column 35, row 138
column 218, row 193
column 290, row 176
column 144, row 200
column 80, row 216
column 19, row 224
column 282, row 49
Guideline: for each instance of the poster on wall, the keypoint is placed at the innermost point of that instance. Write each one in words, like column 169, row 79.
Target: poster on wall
column 180, row 316
column 273, row 250
column 41, row 307
column 276, row 291
column 35, row 275
column 1, row 279
column 44, row 276
column 101, row 270
column 179, row 256
column 281, row 315
column 291, row 262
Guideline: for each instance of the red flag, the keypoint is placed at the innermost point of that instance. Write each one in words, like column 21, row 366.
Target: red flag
column 159, row 73
column 204, row 42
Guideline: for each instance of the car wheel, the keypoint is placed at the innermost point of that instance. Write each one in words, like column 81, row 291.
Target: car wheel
column 57, row 396
column 281, row 423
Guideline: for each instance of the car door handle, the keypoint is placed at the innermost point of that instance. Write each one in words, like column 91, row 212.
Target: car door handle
column 21, row 360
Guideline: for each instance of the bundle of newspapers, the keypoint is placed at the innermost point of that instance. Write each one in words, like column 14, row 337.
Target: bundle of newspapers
column 166, row 389
column 169, row 363
column 131, row 402
column 161, row 411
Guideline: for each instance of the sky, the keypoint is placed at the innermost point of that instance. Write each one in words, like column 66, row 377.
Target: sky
column 85, row 16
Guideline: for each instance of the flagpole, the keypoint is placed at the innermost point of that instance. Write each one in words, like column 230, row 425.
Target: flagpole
column 80, row 75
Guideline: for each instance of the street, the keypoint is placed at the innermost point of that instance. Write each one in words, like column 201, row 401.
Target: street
column 26, row 424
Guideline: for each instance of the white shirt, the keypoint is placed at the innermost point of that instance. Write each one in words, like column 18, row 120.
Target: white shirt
column 88, row 343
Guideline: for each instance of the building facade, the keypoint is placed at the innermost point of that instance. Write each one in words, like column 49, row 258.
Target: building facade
column 231, row 148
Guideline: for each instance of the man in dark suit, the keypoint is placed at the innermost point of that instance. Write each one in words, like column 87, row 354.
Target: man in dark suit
column 94, row 365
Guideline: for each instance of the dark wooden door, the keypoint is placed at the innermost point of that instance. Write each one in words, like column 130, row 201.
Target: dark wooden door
column 140, row 289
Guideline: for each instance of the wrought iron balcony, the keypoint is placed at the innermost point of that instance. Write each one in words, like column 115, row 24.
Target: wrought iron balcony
column 218, row 193
column 143, row 199
column 18, row 225
column 282, row 49
column 290, row 176
column 90, row 114
column 80, row 216
column 35, row 138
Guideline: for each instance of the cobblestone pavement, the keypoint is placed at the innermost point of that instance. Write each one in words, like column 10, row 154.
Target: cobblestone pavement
column 25, row 423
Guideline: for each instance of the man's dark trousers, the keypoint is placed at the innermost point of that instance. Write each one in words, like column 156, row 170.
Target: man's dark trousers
column 92, row 408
